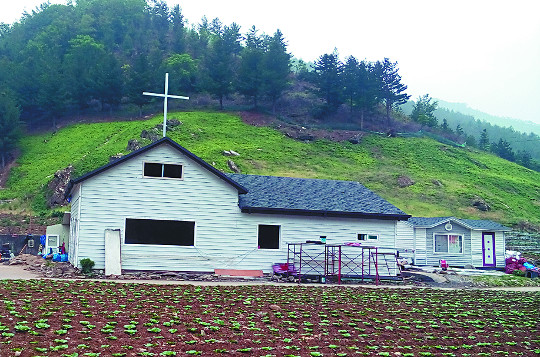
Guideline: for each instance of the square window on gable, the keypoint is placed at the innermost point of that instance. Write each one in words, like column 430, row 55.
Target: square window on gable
column 172, row 171
column 154, row 169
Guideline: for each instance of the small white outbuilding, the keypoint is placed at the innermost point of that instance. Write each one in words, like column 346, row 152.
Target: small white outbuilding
column 460, row 242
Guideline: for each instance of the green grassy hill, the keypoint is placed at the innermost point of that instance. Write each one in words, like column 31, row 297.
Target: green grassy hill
column 446, row 178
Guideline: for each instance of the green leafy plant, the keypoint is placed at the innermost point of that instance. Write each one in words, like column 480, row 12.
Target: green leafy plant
column 87, row 265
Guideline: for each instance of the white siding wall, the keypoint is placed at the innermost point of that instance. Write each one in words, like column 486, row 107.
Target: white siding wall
column 74, row 226
column 453, row 259
column 476, row 247
column 421, row 252
column 405, row 239
column 224, row 237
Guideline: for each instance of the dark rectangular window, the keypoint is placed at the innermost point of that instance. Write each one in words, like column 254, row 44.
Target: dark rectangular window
column 368, row 237
column 268, row 236
column 172, row 171
column 152, row 169
column 161, row 232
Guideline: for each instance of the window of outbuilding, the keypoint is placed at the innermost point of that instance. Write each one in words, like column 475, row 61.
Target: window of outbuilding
column 448, row 243
column 160, row 232
column 154, row 169
column 268, row 237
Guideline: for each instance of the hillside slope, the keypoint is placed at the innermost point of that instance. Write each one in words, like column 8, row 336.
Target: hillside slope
column 446, row 179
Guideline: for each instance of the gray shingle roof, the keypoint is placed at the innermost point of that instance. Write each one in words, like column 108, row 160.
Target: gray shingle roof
column 485, row 224
column 477, row 224
column 427, row 221
column 331, row 197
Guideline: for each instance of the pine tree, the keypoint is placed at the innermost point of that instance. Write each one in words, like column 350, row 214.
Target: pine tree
column 503, row 150
column 459, row 130
column 445, row 127
column 423, row 111
column 10, row 127
column 392, row 91
column 470, row 141
column 483, row 143
column 351, row 80
column 177, row 36
column 367, row 90
column 276, row 67
column 138, row 80
column 524, row 158
column 220, row 62
column 250, row 73
column 328, row 69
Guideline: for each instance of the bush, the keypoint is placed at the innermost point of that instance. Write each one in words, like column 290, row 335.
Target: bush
column 86, row 265
column 518, row 273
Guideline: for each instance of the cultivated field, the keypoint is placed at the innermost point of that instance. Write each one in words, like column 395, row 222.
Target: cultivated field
column 85, row 318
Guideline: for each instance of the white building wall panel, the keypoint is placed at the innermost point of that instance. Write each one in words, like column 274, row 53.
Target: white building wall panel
column 478, row 254
column 405, row 240
column 420, row 240
column 74, row 226
column 500, row 249
column 476, row 249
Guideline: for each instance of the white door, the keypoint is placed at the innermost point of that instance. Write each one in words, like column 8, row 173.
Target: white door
column 113, row 262
column 488, row 248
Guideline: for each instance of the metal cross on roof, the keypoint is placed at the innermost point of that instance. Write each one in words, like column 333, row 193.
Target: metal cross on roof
column 166, row 95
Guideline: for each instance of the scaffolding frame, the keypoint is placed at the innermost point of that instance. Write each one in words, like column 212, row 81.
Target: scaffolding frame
column 342, row 261
column 307, row 259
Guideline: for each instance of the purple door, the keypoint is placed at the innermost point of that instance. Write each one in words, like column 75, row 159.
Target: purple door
column 488, row 249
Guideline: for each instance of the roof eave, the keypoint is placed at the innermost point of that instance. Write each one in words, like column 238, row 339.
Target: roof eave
column 305, row 212
column 460, row 222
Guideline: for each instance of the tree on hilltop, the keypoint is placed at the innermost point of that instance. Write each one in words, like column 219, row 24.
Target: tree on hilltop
column 483, row 143
column 391, row 90
column 423, row 111
column 445, row 127
column 503, row 150
column 359, row 85
column 351, row 81
column 183, row 73
column 524, row 158
column 327, row 77
column 250, row 72
column 10, row 127
column 276, row 67
column 220, row 62
column 459, row 130
column 137, row 80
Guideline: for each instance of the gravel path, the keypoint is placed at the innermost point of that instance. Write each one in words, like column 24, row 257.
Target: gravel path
column 18, row 272
column 13, row 272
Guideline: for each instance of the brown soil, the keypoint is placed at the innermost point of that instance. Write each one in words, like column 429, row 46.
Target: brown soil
column 4, row 172
column 69, row 318
column 300, row 132
column 19, row 224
